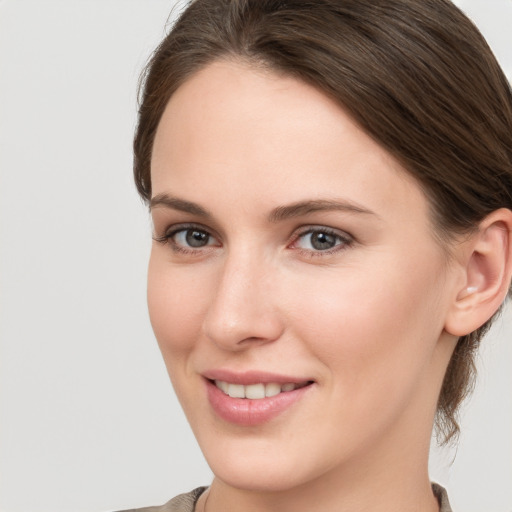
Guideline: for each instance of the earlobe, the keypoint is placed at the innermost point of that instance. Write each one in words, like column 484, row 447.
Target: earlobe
column 487, row 273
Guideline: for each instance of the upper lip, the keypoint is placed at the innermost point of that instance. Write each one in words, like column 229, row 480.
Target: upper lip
column 252, row 377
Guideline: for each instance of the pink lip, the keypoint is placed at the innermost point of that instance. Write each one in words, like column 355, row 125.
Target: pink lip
column 251, row 377
column 247, row 412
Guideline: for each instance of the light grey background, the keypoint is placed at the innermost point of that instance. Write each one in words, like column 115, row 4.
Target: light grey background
column 88, row 419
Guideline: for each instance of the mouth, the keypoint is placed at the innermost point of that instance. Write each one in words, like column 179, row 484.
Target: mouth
column 253, row 398
column 257, row 391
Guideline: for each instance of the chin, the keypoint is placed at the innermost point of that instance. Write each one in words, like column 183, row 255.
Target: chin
column 270, row 478
column 262, row 465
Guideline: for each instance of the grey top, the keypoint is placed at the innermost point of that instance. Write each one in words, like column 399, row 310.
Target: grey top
column 181, row 503
column 187, row 502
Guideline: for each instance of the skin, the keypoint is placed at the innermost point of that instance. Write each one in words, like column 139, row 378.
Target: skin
column 365, row 320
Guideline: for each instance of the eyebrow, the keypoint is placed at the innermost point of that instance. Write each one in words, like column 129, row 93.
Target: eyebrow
column 276, row 215
column 178, row 204
column 316, row 205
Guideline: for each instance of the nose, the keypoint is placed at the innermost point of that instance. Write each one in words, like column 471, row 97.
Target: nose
column 243, row 312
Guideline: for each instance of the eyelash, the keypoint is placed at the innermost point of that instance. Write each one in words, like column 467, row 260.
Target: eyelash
column 168, row 237
column 343, row 240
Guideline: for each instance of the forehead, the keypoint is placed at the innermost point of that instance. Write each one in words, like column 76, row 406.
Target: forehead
column 268, row 138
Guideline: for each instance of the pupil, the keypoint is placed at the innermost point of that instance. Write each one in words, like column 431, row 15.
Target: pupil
column 196, row 238
column 323, row 241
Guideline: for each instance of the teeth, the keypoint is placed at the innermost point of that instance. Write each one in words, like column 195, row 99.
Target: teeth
column 222, row 385
column 255, row 391
column 236, row 391
column 272, row 389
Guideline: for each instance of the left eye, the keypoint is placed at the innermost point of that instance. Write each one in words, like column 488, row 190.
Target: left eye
column 320, row 240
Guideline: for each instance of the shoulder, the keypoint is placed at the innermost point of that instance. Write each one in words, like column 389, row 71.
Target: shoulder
column 181, row 503
column 442, row 497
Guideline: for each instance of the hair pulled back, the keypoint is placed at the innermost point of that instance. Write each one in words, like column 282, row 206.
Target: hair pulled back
column 415, row 74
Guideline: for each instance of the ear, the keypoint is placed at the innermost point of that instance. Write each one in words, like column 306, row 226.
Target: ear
column 487, row 266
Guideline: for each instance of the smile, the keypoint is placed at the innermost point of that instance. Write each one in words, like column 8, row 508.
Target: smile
column 257, row 391
column 253, row 398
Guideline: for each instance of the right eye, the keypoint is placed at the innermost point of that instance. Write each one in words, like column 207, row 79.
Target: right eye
column 187, row 239
column 192, row 238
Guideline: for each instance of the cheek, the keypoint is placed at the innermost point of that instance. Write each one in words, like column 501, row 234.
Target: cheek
column 373, row 328
column 176, row 302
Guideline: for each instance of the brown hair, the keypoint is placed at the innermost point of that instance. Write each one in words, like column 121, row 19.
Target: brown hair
column 415, row 74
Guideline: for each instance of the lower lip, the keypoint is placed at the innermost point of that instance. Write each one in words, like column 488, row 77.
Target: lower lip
column 249, row 412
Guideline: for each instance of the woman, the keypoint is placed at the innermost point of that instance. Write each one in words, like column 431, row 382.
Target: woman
column 330, row 186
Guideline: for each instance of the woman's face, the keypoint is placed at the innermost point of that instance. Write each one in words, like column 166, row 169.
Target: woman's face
column 295, row 264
